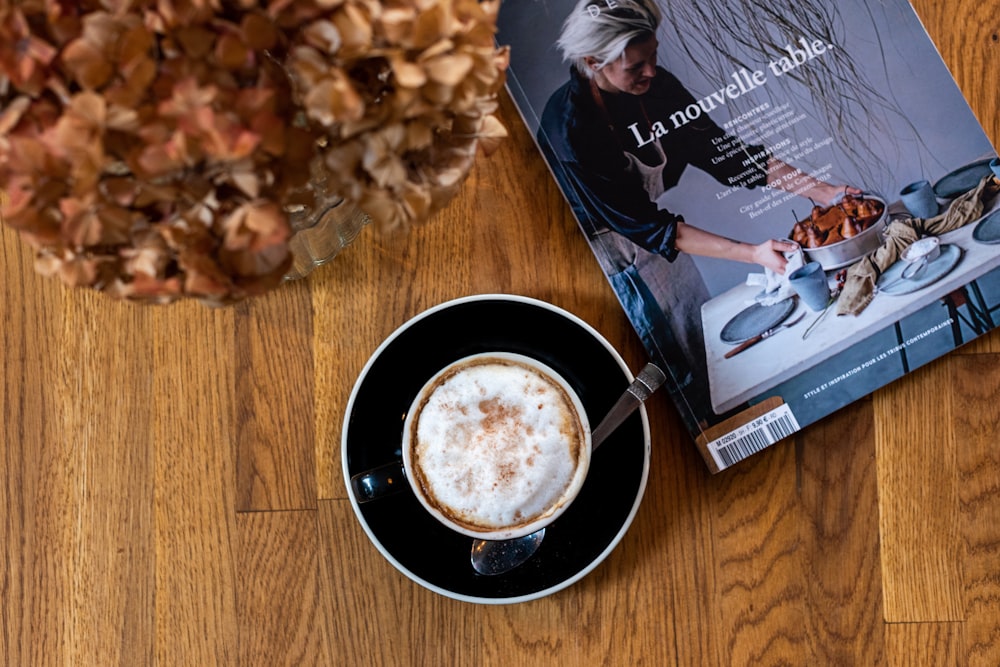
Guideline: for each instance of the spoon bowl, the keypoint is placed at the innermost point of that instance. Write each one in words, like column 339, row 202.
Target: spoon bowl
column 499, row 556
column 493, row 557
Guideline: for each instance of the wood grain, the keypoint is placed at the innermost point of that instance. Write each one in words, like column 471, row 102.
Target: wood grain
column 918, row 501
column 837, row 488
column 274, row 402
column 282, row 608
column 195, row 500
column 172, row 491
column 977, row 419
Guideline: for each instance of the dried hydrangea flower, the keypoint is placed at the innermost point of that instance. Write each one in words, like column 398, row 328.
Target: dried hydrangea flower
column 153, row 149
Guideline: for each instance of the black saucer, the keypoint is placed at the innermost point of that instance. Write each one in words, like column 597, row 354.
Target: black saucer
column 437, row 557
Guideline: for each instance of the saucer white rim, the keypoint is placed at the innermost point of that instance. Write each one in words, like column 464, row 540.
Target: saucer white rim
column 355, row 506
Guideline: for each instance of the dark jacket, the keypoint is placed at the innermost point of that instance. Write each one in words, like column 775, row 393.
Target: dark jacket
column 588, row 146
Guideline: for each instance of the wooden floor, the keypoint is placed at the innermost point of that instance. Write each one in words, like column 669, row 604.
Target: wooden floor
column 171, row 490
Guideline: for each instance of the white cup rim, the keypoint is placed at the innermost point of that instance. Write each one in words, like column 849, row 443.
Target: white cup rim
column 550, row 515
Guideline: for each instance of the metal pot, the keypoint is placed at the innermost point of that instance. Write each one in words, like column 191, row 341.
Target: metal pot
column 848, row 251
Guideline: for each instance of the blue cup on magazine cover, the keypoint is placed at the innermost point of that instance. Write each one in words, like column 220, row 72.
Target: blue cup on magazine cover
column 809, row 282
column 919, row 199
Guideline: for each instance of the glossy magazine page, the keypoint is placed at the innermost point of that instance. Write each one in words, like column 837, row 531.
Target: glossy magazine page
column 742, row 171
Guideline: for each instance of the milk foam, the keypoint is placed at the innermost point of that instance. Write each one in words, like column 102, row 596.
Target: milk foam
column 498, row 445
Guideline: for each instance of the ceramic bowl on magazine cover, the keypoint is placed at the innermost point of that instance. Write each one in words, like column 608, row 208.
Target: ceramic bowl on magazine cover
column 420, row 546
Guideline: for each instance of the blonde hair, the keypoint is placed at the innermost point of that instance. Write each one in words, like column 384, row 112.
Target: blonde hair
column 601, row 29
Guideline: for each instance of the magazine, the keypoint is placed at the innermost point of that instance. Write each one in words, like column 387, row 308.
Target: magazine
column 714, row 153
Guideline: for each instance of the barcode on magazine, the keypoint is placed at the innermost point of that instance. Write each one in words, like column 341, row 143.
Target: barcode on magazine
column 753, row 436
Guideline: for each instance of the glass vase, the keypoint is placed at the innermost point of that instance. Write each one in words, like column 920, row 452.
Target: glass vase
column 319, row 234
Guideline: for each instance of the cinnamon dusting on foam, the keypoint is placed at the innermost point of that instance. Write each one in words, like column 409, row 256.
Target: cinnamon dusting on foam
column 497, row 444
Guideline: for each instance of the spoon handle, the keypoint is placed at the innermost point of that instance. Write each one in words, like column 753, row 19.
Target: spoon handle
column 645, row 383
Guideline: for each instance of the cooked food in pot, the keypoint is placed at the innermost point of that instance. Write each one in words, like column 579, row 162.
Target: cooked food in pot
column 827, row 225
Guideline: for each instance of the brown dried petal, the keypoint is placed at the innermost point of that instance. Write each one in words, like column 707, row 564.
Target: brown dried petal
column 87, row 222
column 231, row 52
column 250, row 262
column 16, row 197
column 73, row 269
column 81, row 224
column 122, row 190
column 11, row 115
column 186, row 97
column 160, row 159
column 40, row 228
column 203, row 277
column 395, row 24
column 334, row 100
column 117, row 224
column 27, row 66
column 141, row 287
column 149, row 255
column 245, row 177
column 39, row 51
column 430, row 25
column 255, row 242
column 271, row 130
column 355, row 29
column 385, row 167
column 419, row 134
column 386, row 212
column 408, row 74
column 441, row 47
column 136, row 43
column 103, row 29
column 255, row 226
column 87, row 63
column 258, row 32
column 324, row 36
column 137, row 76
column 219, row 134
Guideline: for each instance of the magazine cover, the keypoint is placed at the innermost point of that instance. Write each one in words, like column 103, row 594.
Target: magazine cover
column 792, row 200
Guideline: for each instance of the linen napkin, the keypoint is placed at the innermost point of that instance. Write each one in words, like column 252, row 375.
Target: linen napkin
column 859, row 287
column 776, row 285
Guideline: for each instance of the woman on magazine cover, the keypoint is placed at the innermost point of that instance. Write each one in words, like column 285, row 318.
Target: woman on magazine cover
column 601, row 125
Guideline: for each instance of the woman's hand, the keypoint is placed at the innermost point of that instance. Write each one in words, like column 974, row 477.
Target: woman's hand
column 769, row 254
column 792, row 179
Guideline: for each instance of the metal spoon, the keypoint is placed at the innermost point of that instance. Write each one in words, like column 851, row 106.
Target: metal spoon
column 911, row 271
column 492, row 557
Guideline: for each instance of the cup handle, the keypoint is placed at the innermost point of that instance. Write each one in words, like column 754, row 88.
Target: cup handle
column 385, row 480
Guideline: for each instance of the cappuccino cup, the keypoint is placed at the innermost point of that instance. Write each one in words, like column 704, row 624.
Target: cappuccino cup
column 495, row 446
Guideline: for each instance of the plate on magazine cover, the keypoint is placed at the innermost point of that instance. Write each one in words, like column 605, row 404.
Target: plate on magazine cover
column 409, row 537
column 962, row 179
column 988, row 229
column 755, row 320
column 934, row 271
